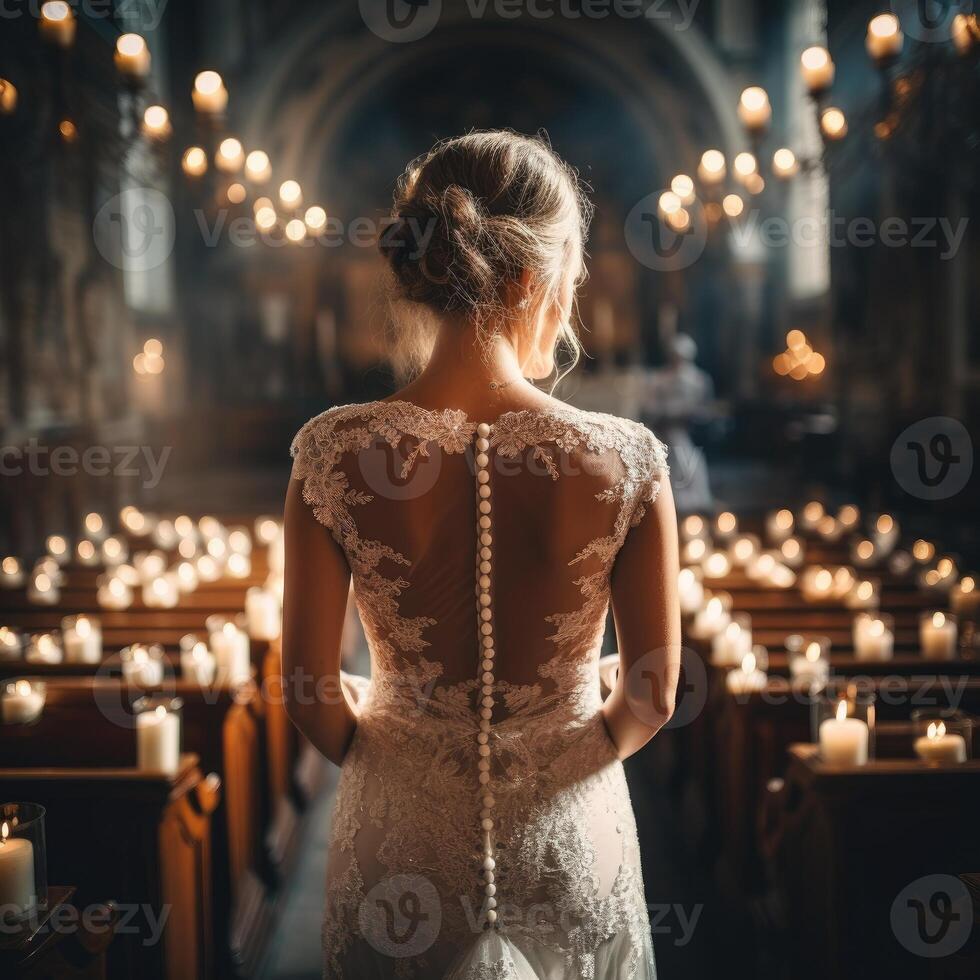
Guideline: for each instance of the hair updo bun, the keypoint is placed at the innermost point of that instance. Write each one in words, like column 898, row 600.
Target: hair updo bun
column 472, row 215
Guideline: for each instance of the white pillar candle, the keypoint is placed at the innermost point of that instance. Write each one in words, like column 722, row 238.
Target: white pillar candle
column 42, row 591
column 809, row 664
column 747, row 677
column 197, row 664
column 11, row 643
column 873, row 640
column 937, row 636
column 277, row 555
column 779, row 525
column 710, row 620
column 938, row 746
column 162, row 593
column 731, row 644
column 16, row 872
column 114, row 593
column 11, row 573
column 843, row 740
column 82, row 639
column 22, row 702
column 230, row 647
column 276, row 584
column 263, row 614
column 142, row 666
column 44, row 648
column 158, row 740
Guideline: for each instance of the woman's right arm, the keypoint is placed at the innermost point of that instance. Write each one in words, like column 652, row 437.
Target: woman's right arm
column 646, row 609
column 317, row 580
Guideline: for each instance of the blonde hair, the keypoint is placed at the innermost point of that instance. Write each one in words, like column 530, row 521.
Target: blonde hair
column 468, row 219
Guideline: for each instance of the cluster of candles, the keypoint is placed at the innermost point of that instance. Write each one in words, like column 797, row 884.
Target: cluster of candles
column 79, row 641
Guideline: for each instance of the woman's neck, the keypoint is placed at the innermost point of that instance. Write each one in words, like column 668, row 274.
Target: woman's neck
column 462, row 373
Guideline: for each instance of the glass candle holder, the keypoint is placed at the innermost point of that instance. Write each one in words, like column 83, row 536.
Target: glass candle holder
column 809, row 659
column 730, row 645
column 44, row 648
column 874, row 636
column 142, row 665
column 943, row 736
column 23, row 861
column 938, row 632
column 81, row 637
column 158, row 734
column 844, row 724
column 22, row 700
column 11, row 643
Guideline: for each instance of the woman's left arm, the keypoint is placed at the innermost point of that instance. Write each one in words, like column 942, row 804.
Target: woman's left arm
column 317, row 580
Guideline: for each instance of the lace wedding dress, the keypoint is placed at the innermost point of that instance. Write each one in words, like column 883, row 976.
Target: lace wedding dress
column 483, row 828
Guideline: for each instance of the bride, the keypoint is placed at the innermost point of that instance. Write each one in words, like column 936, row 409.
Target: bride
column 483, row 827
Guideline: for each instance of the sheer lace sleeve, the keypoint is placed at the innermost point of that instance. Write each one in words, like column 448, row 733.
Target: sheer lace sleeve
column 650, row 460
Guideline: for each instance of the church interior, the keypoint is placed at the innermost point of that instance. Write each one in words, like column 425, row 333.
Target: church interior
column 787, row 213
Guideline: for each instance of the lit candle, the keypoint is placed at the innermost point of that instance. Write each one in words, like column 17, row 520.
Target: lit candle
column 744, row 549
column 238, row 566
column 779, row 525
column 747, row 677
column 864, row 594
column 792, row 552
column 158, row 740
column 864, row 554
column 873, row 638
column 939, row 747
column 58, row 549
column 149, row 564
column 132, row 56
column 8, row 97
column 690, row 591
column 230, row 647
column 165, row 535
column 730, row 645
column 884, row 38
column 58, row 23
column 784, row 163
column 11, row 643
column 187, row 577
column 267, row 529
column 829, row 529
column 276, row 584
column 923, row 551
column 162, row 593
column 848, row 516
column 22, row 701
column 208, row 570
column 209, row 94
column 937, row 636
column 693, row 527
column 811, row 515
column 114, row 551
column 82, row 638
column 782, row 577
column 710, row 620
column 44, row 648
column 694, row 551
column 843, row 740
column 11, row 573
column 817, row 69
column 277, row 555
column 941, row 578
column 115, row 594
column 965, row 597
column 754, row 109
column 264, row 615
column 197, row 663
column 726, row 525
column 817, row 584
column 716, row 565
column 142, row 666
column 809, row 661
column 711, row 169
column 886, row 533
column 135, row 521
column 17, row 890
column 257, row 167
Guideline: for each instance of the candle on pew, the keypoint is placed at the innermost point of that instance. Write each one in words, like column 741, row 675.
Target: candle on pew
column 744, row 549
column 158, row 740
column 923, row 551
column 276, row 584
column 779, row 525
column 939, row 746
column 690, row 591
column 162, row 593
column 843, row 740
column 264, row 615
column 267, row 529
column 965, row 598
column 817, row 584
column 865, row 594
column 197, row 663
column 716, row 565
column 87, row 553
column 239, row 540
column 142, row 666
column 136, row 522
column 82, row 639
column 747, row 677
column 712, row 619
column 165, row 535
column 187, row 577
column 11, row 643
column 937, row 636
column 694, row 551
column 114, row 551
column 731, row 644
column 42, row 590
column 873, row 637
column 693, row 526
column 16, row 872
column 830, row 529
column 811, row 514
column 22, row 701
column 809, row 659
column 864, row 553
column 231, row 650
column 95, row 526
column 277, row 554
column 792, row 552
column 57, row 547
column 941, row 578
column 11, row 573
column 885, row 534
column 149, row 565
column 726, row 525
column 114, row 593
column 238, row 565
column 848, row 517
column 44, row 648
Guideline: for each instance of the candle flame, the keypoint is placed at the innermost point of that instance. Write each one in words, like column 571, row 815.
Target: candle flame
column 748, row 663
column 23, row 688
column 938, row 620
column 841, row 710
column 876, row 627
column 4, row 832
column 813, row 652
column 936, row 730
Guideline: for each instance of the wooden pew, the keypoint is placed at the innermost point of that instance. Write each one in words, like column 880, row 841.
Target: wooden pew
column 141, row 839
column 854, row 851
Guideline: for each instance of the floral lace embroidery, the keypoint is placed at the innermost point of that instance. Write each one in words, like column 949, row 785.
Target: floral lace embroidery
column 543, row 746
